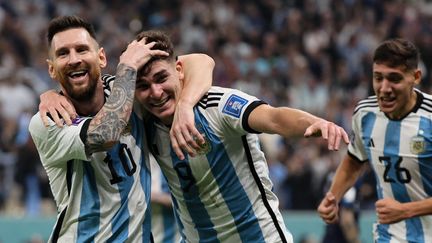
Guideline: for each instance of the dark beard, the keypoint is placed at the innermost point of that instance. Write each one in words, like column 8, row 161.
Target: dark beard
column 82, row 96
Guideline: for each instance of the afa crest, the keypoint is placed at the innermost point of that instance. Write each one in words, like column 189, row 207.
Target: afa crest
column 204, row 148
column 417, row 145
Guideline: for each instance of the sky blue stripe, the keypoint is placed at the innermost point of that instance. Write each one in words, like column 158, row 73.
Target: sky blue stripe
column 400, row 193
column 425, row 158
column 145, row 175
column 88, row 225
column 196, row 208
column 229, row 184
column 120, row 222
column 368, row 123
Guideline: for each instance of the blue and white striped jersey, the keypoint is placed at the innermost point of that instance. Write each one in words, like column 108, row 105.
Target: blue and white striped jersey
column 102, row 197
column 164, row 226
column 224, row 193
column 400, row 152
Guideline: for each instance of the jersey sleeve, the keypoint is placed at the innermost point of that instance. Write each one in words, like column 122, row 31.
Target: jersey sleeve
column 58, row 145
column 235, row 108
column 356, row 147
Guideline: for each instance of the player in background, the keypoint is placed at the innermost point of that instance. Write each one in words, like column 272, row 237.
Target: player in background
column 392, row 130
column 98, row 165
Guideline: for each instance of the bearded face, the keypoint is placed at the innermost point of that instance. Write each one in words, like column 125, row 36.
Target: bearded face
column 76, row 63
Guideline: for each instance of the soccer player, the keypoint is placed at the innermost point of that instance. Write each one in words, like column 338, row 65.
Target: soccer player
column 98, row 166
column 392, row 130
column 223, row 194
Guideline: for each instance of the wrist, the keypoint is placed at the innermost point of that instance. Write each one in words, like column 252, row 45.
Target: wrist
column 186, row 103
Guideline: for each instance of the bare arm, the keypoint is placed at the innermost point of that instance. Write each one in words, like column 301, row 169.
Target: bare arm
column 290, row 122
column 105, row 128
column 346, row 175
column 198, row 71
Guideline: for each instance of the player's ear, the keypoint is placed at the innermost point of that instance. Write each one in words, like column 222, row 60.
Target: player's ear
column 417, row 76
column 102, row 58
column 51, row 70
column 180, row 70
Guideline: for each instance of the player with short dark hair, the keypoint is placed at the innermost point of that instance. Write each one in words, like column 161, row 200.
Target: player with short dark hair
column 224, row 193
column 392, row 130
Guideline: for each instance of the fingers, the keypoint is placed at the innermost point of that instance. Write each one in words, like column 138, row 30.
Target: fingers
column 187, row 139
column 57, row 107
column 331, row 132
column 176, row 148
column 328, row 209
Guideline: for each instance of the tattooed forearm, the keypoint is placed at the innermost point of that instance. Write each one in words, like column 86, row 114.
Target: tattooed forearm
column 106, row 127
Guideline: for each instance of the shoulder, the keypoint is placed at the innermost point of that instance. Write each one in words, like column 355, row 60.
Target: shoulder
column 426, row 103
column 38, row 131
column 369, row 104
column 213, row 97
column 36, row 124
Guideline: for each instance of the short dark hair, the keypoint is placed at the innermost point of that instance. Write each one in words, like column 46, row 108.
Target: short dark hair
column 163, row 42
column 63, row 23
column 397, row 52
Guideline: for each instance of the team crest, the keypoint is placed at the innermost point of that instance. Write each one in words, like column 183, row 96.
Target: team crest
column 204, row 148
column 127, row 130
column 417, row 145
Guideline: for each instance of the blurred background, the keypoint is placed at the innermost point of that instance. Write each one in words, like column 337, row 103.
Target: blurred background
column 313, row 55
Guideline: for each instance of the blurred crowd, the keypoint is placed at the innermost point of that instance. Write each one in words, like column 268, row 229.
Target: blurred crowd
column 313, row 55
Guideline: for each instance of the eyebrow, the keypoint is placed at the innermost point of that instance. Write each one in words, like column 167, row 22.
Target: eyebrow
column 160, row 74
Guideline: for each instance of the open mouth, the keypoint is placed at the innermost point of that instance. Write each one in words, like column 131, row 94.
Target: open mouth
column 77, row 74
column 161, row 102
column 387, row 101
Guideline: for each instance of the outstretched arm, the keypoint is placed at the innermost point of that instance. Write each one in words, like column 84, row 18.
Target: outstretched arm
column 198, row 71
column 105, row 128
column 290, row 122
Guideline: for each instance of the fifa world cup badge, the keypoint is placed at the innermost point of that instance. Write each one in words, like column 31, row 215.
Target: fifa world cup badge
column 417, row 145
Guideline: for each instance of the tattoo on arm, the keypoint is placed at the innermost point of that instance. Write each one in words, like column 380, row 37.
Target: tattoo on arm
column 106, row 127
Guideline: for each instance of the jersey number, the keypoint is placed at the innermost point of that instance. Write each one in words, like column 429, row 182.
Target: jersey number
column 184, row 172
column 402, row 174
column 127, row 162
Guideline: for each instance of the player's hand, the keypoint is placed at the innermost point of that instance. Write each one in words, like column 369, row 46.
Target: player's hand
column 184, row 135
column 329, row 131
column 329, row 209
column 390, row 211
column 58, row 106
column 138, row 53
